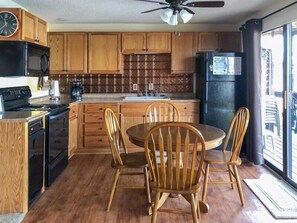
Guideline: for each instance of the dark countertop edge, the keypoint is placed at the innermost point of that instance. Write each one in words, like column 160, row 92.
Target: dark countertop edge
column 16, row 116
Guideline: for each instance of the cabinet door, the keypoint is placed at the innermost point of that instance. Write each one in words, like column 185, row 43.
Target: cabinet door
column 183, row 53
column 133, row 42
column 76, row 52
column 28, row 28
column 159, row 42
column 208, row 41
column 56, row 42
column 132, row 114
column 41, row 30
column 104, row 53
column 230, row 41
column 189, row 111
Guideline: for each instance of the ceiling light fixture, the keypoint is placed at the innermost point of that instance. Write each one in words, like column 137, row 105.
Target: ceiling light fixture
column 170, row 15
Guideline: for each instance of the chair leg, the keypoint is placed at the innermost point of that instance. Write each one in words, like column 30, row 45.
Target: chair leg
column 155, row 208
column 239, row 185
column 114, row 185
column 198, row 206
column 194, row 209
column 205, row 182
column 230, row 176
column 147, row 185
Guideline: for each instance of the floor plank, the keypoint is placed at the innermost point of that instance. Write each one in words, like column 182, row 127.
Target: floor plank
column 81, row 192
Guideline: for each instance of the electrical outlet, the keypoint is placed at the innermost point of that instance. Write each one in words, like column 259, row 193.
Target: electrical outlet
column 135, row 87
column 151, row 86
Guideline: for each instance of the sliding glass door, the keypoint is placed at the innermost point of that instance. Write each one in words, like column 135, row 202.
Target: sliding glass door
column 272, row 96
column 292, row 103
column 279, row 100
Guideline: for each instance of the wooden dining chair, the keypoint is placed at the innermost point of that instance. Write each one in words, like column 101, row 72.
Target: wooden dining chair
column 229, row 156
column 122, row 160
column 175, row 153
column 161, row 111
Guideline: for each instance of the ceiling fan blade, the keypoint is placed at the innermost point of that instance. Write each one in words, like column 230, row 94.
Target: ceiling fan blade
column 161, row 3
column 188, row 10
column 206, row 4
column 155, row 9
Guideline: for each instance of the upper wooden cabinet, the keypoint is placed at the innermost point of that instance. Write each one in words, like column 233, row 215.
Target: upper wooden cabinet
column 146, row 42
column 183, row 53
column 68, row 52
column 34, row 29
column 230, row 41
column 207, row 41
column 219, row 41
column 31, row 29
column 104, row 55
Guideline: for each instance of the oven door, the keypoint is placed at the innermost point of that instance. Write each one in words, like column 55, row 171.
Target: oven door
column 57, row 135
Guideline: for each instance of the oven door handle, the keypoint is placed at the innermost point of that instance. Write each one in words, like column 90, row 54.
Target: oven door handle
column 59, row 115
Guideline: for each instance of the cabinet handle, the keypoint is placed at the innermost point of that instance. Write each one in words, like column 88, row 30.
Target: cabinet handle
column 100, row 109
column 99, row 128
column 99, row 140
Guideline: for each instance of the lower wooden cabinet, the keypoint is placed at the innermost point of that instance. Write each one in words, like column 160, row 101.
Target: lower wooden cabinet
column 133, row 114
column 92, row 138
column 73, row 131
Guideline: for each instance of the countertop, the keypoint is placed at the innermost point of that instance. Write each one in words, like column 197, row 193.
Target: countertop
column 109, row 98
column 21, row 116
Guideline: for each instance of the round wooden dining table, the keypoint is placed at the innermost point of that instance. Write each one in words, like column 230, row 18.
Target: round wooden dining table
column 213, row 138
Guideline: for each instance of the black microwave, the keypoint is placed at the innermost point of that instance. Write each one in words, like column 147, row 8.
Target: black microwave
column 19, row 58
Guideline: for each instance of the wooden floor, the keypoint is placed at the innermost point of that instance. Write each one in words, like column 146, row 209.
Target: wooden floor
column 80, row 195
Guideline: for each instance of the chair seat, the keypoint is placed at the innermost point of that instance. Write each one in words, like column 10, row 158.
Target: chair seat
column 131, row 160
column 220, row 157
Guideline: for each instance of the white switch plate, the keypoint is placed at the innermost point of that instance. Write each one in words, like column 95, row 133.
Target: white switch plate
column 151, row 86
column 135, row 87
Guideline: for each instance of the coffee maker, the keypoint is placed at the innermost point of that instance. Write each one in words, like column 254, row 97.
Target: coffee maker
column 76, row 90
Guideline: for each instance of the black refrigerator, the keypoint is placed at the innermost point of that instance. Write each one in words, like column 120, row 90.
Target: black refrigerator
column 221, row 87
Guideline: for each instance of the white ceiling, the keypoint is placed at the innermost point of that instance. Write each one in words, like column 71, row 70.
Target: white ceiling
column 129, row 11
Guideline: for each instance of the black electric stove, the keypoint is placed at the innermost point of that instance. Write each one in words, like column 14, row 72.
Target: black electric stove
column 56, row 127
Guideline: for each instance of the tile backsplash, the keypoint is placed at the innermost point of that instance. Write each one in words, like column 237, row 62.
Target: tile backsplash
column 137, row 69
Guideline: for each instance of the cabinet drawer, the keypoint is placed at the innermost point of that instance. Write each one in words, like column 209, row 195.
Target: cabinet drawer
column 95, row 108
column 94, row 117
column 94, row 129
column 96, row 141
column 188, row 107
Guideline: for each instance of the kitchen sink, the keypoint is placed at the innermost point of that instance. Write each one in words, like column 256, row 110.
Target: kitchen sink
column 145, row 98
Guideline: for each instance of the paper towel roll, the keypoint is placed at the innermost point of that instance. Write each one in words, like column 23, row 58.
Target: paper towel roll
column 55, row 90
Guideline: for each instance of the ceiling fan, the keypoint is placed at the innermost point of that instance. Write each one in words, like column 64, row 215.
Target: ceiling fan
column 171, row 8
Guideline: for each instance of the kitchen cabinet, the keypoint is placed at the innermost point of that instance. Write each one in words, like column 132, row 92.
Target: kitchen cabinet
column 91, row 128
column 68, row 53
column 31, row 28
column 219, row 41
column 188, row 111
column 18, row 149
column 134, row 113
column 73, row 131
column 104, row 55
column 208, row 41
column 139, row 42
column 183, row 52
column 34, row 29
column 230, row 41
